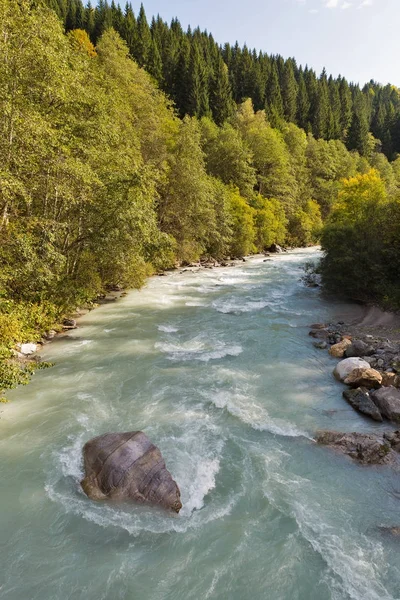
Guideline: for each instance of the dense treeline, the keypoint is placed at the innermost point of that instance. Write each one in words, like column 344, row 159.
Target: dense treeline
column 102, row 183
column 361, row 240
column 205, row 79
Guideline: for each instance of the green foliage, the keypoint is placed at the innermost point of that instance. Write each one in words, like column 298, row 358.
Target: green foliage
column 269, row 221
column 242, row 225
column 101, row 182
column 361, row 242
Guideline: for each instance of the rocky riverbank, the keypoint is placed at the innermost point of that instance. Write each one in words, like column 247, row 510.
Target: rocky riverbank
column 368, row 354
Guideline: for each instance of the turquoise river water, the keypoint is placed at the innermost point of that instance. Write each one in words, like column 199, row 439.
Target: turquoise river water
column 218, row 369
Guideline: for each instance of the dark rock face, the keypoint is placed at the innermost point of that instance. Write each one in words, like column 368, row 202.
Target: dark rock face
column 69, row 324
column 275, row 248
column 387, row 399
column 361, row 401
column 127, row 466
column 365, row 448
column 359, row 348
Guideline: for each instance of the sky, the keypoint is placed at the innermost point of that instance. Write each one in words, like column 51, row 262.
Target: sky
column 359, row 39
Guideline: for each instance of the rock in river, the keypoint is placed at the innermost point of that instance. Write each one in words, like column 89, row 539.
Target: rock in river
column 366, row 448
column 338, row 350
column 368, row 378
column 387, row 399
column 361, row 401
column 359, row 348
column 127, row 466
column 345, row 367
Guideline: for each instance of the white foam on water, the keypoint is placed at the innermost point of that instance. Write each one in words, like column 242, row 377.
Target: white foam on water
column 195, row 303
column 199, row 349
column 354, row 562
column 237, row 306
column 241, row 406
column 203, row 481
column 167, row 329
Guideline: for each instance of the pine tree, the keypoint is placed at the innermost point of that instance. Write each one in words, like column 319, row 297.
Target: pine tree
column 303, row 103
column 321, row 114
column 70, row 22
column 289, row 92
column 154, row 64
column 346, row 104
column 358, row 134
column 221, row 96
column 142, row 43
column 199, row 104
column 129, row 28
column 335, row 115
column 273, row 98
column 181, row 91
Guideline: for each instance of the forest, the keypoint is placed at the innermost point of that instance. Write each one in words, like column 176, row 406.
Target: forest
column 204, row 78
column 126, row 149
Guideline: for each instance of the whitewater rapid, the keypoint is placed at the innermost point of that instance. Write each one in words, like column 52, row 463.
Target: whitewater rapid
column 217, row 368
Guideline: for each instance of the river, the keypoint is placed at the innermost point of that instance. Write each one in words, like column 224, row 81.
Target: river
column 218, row 369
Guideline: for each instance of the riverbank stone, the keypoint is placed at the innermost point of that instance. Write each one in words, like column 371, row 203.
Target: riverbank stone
column 365, row 448
column 28, row 349
column 127, row 466
column 338, row 350
column 359, row 348
column 387, row 399
column 361, row 401
column 368, row 378
column 346, row 366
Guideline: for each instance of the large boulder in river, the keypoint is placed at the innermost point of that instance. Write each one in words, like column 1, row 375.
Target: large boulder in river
column 387, row 399
column 361, row 400
column 368, row 378
column 365, row 448
column 127, row 466
column 345, row 367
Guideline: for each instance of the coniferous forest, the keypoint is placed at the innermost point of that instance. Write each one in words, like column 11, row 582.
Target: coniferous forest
column 128, row 147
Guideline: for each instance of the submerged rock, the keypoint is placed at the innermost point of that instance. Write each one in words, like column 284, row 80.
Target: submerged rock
column 365, row 448
column 127, row 466
column 321, row 345
column 393, row 531
column 345, row 367
column 361, row 401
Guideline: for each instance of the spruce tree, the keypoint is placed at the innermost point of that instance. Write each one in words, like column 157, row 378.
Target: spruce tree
column 358, row 134
column 321, row 114
column 346, row 104
column 303, row 103
column 273, row 97
column 289, row 92
column 142, row 42
column 154, row 64
column 221, row 96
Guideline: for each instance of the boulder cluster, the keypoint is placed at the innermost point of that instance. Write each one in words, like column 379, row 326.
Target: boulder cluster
column 369, row 366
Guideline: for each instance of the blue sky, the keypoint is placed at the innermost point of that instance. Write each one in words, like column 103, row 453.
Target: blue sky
column 359, row 39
